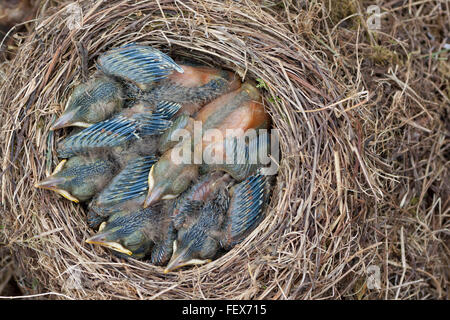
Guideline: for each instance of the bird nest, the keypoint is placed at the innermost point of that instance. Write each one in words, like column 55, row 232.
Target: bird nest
column 317, row 238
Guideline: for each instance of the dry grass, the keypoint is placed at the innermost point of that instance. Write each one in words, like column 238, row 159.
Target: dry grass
column 364, row 123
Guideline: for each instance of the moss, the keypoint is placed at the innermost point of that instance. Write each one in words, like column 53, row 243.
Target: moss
column 384, row 56
column 41, row 123
column 263, row 85
column 35, row 285
column 340, row 9
column 414, row 201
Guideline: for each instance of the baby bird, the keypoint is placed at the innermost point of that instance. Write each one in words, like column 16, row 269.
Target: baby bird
column 103, row 96
column 137, row 72
column 166, row 179
column 224, row 220
column 81, row 177
column 192, row 200
column 127, row 186
column 161, row 78
column 131, row 124
column 239, row 110
column 140, row 65
column 194, row 88
column 91, row 102
column 136, row 232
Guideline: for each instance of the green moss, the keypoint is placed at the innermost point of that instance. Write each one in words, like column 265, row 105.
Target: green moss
column 35, row 284
column 40, row 123
column 414, row 201
column 384, row 56
column 340, row 9
column 261, row 84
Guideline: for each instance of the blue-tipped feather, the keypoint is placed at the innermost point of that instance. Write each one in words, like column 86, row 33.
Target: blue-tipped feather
column 245, row 210
column 162, row 250
column 185, row 208
column 153, row 124
column 108, row 133
column 141, row 65
column 129, row 184
column 119, row 129
column 190, row 203
column 167, row 109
